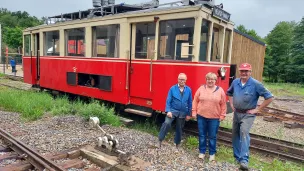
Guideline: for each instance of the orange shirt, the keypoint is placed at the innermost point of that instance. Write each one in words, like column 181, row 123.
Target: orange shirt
column 209, row 104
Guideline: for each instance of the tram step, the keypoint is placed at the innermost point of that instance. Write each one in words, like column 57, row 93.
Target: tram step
column 138, row 112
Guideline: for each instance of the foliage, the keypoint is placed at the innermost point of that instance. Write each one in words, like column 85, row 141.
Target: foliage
column 12, row 25
column 279, row 41
column 13, row 37
column 33, row 105
column 285, row 89
column 192, row 142
column 146, row 126
column 295, row 70
column 250, row 32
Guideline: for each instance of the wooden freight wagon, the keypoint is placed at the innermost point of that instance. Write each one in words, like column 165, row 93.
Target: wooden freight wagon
column 245, row 48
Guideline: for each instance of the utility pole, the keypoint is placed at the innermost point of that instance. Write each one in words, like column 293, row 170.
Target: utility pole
column 1, row 49
column 6, row 54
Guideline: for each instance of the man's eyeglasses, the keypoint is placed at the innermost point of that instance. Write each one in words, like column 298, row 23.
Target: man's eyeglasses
column 181, row 79
column 210, row 79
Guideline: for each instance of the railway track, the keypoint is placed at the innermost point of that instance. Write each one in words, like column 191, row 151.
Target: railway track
column 290, row 119
column 17, row 156
column 278, row 148
column 22, row 151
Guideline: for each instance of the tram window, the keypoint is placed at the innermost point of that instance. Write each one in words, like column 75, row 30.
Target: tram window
column 204, row 40
column 51, row 43
column 215, row 46
column 106, row 41
column 176, row 38
column 226, row 45
column 75, row 42
column 145, row 40
column 103, row 82
column 88, row 80
column 27, row 45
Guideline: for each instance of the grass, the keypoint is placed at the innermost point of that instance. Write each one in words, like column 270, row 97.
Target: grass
column 225, row 154
column 2, row 75
column 192, row 143
column 33, row 105
column 146, row 126
column 226, row 124
column 285, row 89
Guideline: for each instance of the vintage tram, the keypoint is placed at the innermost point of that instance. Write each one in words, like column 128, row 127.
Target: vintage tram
column 130, row 54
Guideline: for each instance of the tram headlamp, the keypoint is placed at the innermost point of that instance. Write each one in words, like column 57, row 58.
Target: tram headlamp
column 222, row 72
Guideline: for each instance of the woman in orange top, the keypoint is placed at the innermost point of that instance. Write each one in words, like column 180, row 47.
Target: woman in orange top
column 209, row 106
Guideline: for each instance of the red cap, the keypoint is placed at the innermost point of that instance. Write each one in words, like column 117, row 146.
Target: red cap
column 245, row 66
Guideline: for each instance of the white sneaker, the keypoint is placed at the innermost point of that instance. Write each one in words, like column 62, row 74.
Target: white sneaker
column 211, row 158
column 201, row 156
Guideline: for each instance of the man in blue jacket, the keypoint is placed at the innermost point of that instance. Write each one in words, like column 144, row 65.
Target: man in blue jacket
column 243, row 95
column 178, row 107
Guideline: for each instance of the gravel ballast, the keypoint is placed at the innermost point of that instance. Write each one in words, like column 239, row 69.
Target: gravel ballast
column 53, row 134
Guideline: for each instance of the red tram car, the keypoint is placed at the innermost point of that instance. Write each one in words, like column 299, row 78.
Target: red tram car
column 130, row 54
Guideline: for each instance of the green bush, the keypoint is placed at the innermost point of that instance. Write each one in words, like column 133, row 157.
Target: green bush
column 33, row 105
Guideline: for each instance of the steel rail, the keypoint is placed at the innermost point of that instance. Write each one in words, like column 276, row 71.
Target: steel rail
column 41, row 163
column 283, row 115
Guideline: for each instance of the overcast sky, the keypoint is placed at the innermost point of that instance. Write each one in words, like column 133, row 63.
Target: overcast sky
column 260, row 15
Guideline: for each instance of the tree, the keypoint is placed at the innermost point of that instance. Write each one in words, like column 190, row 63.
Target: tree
column 268, row 63
column 13, row 37
column 295, row 70
column 279, row 39
column 241, row 28
column 250, row 32
column 13, row 23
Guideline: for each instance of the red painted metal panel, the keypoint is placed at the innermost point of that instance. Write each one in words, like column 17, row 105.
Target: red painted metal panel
column 141, row 102
column 140, row 80
column 29, row 70
column 164, row 75
column 53, row 75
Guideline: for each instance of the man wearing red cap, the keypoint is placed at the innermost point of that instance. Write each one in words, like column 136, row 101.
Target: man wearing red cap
column 243, row 94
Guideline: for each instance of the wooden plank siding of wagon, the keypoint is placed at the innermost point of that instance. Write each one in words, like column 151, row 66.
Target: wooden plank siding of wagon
column 248, row 49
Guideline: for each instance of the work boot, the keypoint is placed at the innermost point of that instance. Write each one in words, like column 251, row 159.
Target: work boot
column 244, row 166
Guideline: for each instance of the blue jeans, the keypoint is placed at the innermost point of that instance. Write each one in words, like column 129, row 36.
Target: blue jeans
column 167, row 125
column 242, row 123
column 13, row 68
column 207, row 128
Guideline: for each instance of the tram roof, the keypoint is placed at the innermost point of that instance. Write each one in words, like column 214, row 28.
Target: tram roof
column 122, row 10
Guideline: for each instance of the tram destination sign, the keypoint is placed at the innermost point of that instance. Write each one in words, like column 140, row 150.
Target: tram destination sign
column 219, row 13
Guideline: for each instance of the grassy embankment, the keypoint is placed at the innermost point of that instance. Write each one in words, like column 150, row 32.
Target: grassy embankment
column 32, row 106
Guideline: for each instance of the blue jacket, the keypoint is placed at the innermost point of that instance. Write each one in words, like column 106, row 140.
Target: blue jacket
column 246, row 97
column 13, row 63
column 180, row 106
